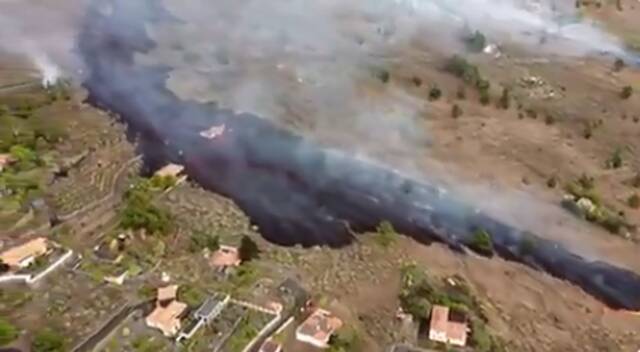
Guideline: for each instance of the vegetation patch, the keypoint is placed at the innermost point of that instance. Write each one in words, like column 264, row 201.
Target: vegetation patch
column 385, row 235
column 419, row 294
column 8, row 332
column 583, row 201
column 481, row 243
column 140, row 213
column 48, row 340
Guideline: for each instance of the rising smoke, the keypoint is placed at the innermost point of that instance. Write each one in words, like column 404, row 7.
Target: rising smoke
column 296, row 191
column 43, row 33
column 312, row 65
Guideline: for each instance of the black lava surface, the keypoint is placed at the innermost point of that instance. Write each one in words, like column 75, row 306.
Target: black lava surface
column 296, row 191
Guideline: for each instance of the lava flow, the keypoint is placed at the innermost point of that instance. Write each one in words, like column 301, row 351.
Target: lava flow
column 296, row 191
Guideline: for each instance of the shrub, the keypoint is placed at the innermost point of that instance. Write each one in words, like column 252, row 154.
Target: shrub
column 626, row 92
column 140, row 213
column 549, row 119
column 634, row 201
column 48, row 340
column 475, row 42
column 481, row 243
column 527, row 244
column 163, row 182
column 383, row 75
column 248, row 249
column 344, row 341
column 435, row 93
column 587, row 182
column 505, row 99
column 203, row 239
column 618, row 65
column 635, row 181
column 191, row 295
column 461, row 68
column 456, row 111
column 485, row 98
column 385, row 234
column 8, row 332
column 461, row 92
column 417, row 81
column 26, row 158
column 615, row 161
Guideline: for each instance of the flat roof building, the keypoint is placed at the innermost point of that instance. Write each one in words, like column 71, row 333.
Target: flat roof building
column 23, row 255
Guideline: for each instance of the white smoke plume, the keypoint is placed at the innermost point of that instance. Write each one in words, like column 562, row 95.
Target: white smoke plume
column 314, row 63
column 43, row 33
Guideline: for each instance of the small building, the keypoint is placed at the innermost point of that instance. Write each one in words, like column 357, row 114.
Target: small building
column 211, row 308
column 447, row 326
column 24, row 255
column 270, row 346
column 170, row 170
column 167, row 318
column 225, row 257
column 318, row 328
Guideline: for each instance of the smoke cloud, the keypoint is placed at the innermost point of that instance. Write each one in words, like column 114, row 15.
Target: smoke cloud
column 42, row 32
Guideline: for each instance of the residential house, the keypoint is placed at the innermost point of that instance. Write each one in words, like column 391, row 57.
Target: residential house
column 24, row 255
column 318, row 328
column 208, row 311
column 167, row 318
column 225, row 257
column 168, row 312
column 447, row 326
column 270, row 346
column 172, row 170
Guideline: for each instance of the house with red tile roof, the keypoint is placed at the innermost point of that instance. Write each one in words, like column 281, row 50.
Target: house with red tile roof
column 318, row 328
column 448, row 327
column 168, row 312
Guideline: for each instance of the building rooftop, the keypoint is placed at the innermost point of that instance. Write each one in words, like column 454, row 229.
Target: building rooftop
column 319, row 327
column 270, row 346
column 19, row 256
column 447, row 326
column 172, row 170
column 225, row 256
column 211, row 306
column 167, row 293
column 167, row 318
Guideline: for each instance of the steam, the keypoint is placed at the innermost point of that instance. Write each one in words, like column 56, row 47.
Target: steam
column 42, row 33
column 553, row 26
column 50, row 71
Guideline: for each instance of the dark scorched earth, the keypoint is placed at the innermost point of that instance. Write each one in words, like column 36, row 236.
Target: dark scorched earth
column 295, row 191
